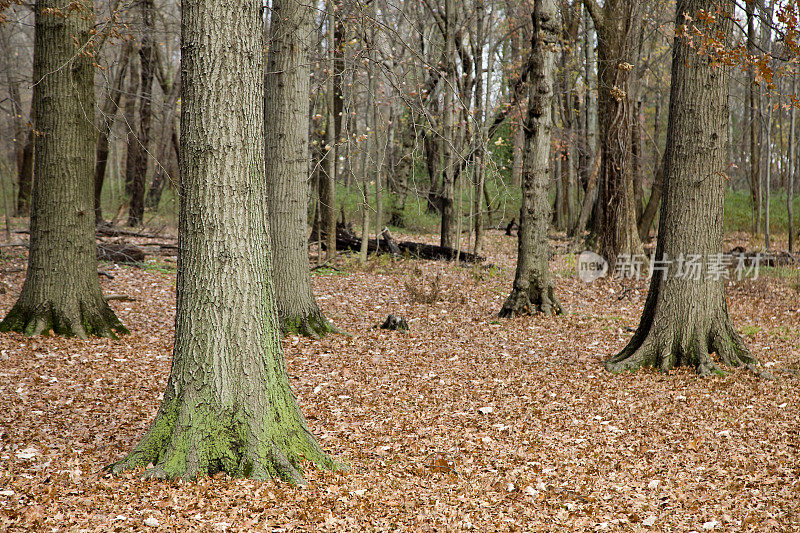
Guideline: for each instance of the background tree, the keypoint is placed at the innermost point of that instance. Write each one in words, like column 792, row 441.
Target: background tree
column 286, row 145
column 61, row 291
column 533, row 289
column 228, row 406
column 685, row 317
column 618, row 25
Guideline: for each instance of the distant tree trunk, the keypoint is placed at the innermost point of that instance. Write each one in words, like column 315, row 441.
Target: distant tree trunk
column 792, row 164
column 61, row 291
column 160, row 174
column 685, row 317
column 590, row 166
column 25, row 175
column 754, row 112
column 142, row 143
column 650, row 210
column 327, row 190
column 533, row 289
column 228, row 405
column 23, row 138
column 518, row 124
column 480, row 163
column 109, row 114
column 447, row 198
column 286, row 145
column 617, row 24
column 131, row 99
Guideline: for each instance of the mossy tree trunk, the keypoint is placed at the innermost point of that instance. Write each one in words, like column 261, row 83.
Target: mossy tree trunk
column 61, row 291
column 228, row 406
column 533, row 288
column 286, row 144
column 685, row 317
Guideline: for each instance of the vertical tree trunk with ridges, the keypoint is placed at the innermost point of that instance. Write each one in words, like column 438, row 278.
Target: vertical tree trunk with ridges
column 61, row 291
column 286, row 144
column 228, row 405
column 533, row 288
column 141, row 143
column 617, row 24
column 686, row 319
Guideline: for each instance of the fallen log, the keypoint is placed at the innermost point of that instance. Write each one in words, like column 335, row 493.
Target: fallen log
column 345, row 240
column 120, row 253
column 112, row 231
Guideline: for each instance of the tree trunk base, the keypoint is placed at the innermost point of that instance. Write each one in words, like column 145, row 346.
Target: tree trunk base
column 667, row 348
column 313, row 325
column 178, row 446
column 534, row 300
column 81, row 320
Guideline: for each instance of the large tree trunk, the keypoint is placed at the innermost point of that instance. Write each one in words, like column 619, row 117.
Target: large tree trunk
column 228, row 406
column 286, row 144
column 141, row 144
column 533, row 288
column 685, row 317
column 109, row 111
column 617, row 25
column 61, row 291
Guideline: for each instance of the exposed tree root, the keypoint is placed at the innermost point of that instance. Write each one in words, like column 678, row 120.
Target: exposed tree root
column 670, row 347
column 79, row 320
column 534, row 300
column 190, row 439
column 313, row 325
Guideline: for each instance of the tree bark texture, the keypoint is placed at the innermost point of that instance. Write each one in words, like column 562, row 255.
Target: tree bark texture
column 685, row 318
column 533, row 289
column 228, row 406
column 617, row 26
column 137, row 162
column 286, row 144
column 61, row 291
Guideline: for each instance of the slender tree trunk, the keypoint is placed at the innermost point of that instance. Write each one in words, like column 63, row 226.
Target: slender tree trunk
column 650, row 210
column 448, row 227
column 327, row 196
column 141, row 145
column 109, row 115
column 61, row 291
column 533, row 289
column 767, row 29
column 792, row 164
column 160, row 174
column 480, row 164
column 228, row 406
column 131, row 98
column 23, row 137
column 754, row 111
column 685, row 316
column 286, row 143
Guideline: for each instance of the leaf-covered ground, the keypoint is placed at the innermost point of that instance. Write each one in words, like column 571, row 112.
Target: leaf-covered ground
column 464, row 422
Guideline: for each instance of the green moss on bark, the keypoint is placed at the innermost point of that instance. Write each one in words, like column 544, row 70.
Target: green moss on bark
column 314, row 325
column 83, row 321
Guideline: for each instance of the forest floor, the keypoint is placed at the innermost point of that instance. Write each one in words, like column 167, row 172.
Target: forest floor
column 464, row 422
